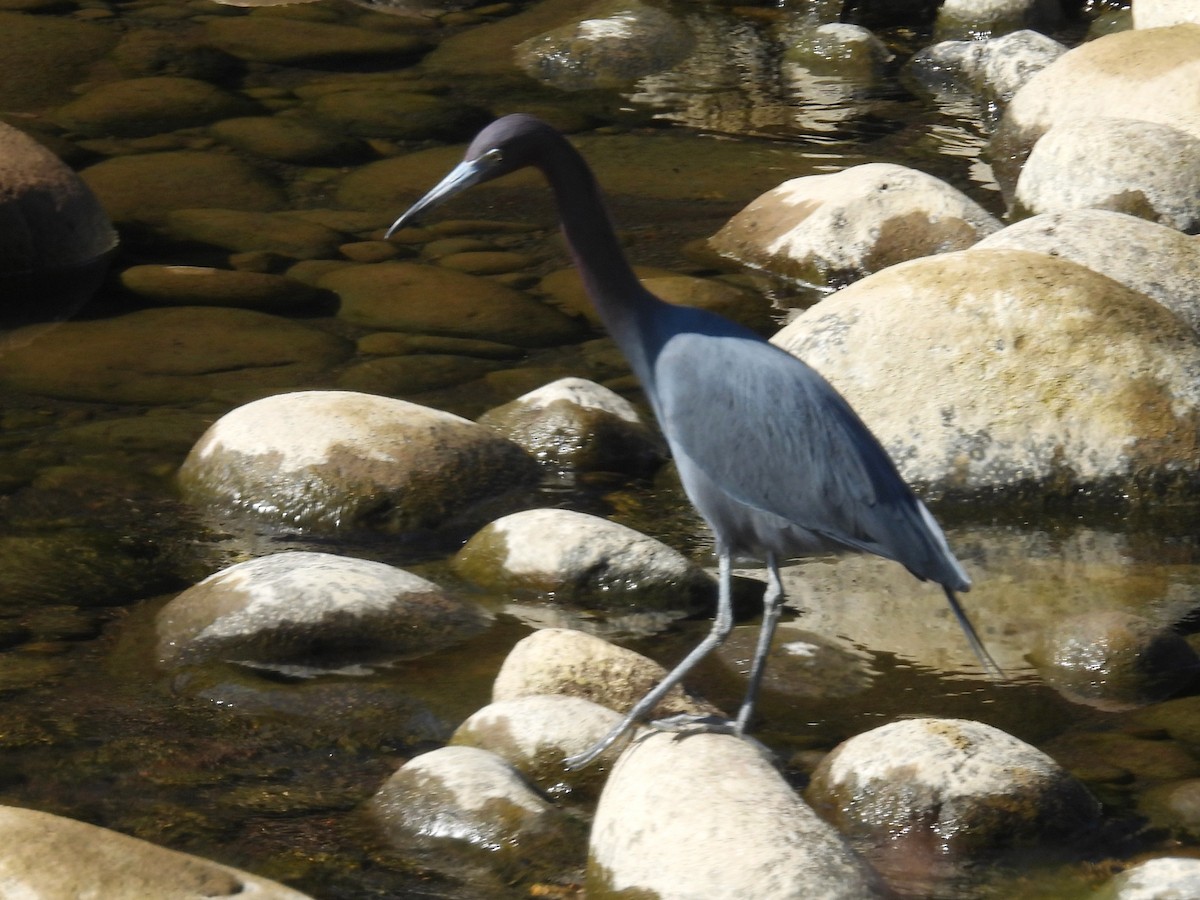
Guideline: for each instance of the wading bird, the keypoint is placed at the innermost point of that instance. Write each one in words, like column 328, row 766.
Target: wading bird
column 772, row 457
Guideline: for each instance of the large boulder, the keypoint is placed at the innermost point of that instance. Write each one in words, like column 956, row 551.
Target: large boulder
column 1007, row 369
column 1158, row 261
column 340, row 459
column 1146, row 169
column 1146, row 74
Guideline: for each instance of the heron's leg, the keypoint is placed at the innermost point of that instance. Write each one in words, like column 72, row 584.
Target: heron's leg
column 722, row 625
column 772, row 606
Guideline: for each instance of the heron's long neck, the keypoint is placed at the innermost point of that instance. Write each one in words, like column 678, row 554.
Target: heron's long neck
column 619, row 298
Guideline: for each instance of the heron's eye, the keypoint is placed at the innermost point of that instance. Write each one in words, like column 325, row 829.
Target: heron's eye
column 494, row 157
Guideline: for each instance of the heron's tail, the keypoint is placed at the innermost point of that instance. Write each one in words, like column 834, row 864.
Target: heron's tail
column 985, row 658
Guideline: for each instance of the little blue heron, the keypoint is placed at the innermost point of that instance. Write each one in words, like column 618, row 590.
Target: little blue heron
column 772, row 457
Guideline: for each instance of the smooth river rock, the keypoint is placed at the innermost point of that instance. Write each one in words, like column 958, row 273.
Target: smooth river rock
column 170, row 355
column 50, row 857
column 139, row 107
column 581, row 559
column 577, row 424
column 954, row 787
column 1006, row 369
column 313, row 609
column 708, row 817
column 341, row 459
column 1146, row 74
column 829, row 230
column 1158, row 261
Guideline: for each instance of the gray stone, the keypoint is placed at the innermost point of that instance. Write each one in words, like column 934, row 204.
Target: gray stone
column 312, row 609
column 205, row 286
column 1146, row 74
column 1163, row 13
column 560, row 661
column 27, row 42
column 1158, row 261
column 617, row 45
column 55, row 858
column 1007, row 368
column 143, row 189
column 577, row 424
column 144, row 106
column 425, row 299
column 981, row 19
column 1165, row 878
column 286, row 41
column 461, row 807
column 964, row 788
column 1145, row 169
column 536, row 733
column 707, row 815
column 829, row 230
column 339, row 459
column 171, row 355
column 582, row 559
column 1115, row 660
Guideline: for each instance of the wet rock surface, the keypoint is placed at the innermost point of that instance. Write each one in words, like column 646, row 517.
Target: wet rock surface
column 340, row 459
column 312, row 609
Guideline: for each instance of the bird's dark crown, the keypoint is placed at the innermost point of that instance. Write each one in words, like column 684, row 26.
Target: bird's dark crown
column 511, row 143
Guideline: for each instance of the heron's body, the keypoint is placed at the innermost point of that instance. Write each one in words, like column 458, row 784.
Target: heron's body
column 773, row 458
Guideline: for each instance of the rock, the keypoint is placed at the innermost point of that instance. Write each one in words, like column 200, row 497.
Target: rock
column 244, row 231
column 27, row 42
column 291, row 140
column 1162, row 13
column 840, row 50
column 576, row 424
column 51, row 857
column 982, row 19
column 464, row 808
column 955, row 788
column 170, row 356
column 291, row 42
column 834, row 229
column 582, row 559
column 1155, row 879
column 559, row 661
column 411, row 297
column 1157, row 261
column 56, row 236
column 618, row 46
column 802, row 664
column 994, row 70
column 397, row 113
column 312, row 609
column 707, row 815
column 1144, row 74
column 80, row 567
column 204, row 286
column 143, row 189
column 150, row 52
column 140, row 107
column 1145, row 169
column 999, row 393
column 414, row 374
column 1115, row 660
column 536, row 733
column 338, row 459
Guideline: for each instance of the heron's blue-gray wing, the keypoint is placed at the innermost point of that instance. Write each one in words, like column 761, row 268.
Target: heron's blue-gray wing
column 775, row 436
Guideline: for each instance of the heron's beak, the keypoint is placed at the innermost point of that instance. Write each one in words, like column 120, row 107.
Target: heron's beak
column 461, row 177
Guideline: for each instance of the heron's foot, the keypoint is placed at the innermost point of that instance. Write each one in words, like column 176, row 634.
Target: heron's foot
column 691, row 723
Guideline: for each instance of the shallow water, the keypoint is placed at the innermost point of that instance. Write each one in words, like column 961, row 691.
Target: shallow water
column 269, row 772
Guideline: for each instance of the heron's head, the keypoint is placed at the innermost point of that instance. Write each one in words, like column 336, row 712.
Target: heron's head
column 506, row 145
